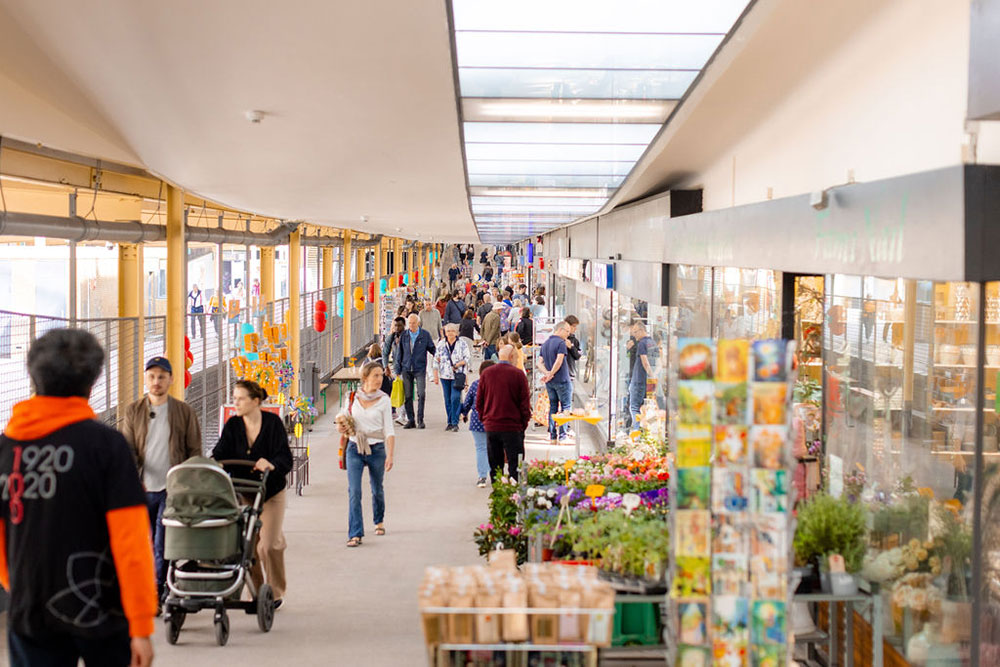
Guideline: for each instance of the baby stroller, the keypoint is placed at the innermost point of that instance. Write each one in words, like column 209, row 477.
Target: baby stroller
column 209, row 542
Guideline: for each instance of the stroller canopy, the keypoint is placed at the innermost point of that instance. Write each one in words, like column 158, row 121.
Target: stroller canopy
column 200, row 489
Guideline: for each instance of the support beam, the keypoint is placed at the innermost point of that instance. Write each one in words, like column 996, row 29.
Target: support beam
column 376, row 278
column 176, row 287
column 267, row 283
column 292, row 319
column 397, row 254
column 130, row 361
column 348, row 297
column 327, row 271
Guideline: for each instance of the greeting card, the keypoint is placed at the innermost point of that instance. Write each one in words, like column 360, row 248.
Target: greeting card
column 731, row 403
column 694, row 488
column 730, row 574
column 694, row 401
column 730, row 617
column 770, row 402
column 730, row 445
column 769, row 361
column 694, row 358
column 694, row 530
column 768, row 622
column 694, row 445
column 694, row 621
column 732, row 360
column 768, row 446
column 730, row 490
column 769, row 490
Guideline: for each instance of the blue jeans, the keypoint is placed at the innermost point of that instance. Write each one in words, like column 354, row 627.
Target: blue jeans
column 356, row 464
column 156, row 502
column 482, row 460
column 560, row 400
column 452, row 401
column 636, row 396
column 489, row 351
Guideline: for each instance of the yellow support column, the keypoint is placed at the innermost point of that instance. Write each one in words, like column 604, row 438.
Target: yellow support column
column 419, row 265
column 348, row 297
column 292, row 319
column 130, row 349
column 176, row 287
column 327, row 267
column 376, row 278
column 331, row 307
column 397, row 256
column 267, row 282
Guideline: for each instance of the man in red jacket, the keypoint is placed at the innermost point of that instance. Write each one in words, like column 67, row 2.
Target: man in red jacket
column 504, row 405
column 75, row 551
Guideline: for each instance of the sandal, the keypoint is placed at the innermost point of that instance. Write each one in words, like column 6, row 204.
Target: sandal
column 380, row 530
column 354, row 542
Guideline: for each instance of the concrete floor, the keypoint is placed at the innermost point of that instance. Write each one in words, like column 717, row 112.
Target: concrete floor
column 356, row 606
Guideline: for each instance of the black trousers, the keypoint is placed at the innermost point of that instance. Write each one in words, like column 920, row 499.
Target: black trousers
column 66, row 651
column 504, row 443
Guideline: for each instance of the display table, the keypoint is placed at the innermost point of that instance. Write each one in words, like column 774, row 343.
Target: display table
column 829, row 636
column 563, row 418
column 349, row 376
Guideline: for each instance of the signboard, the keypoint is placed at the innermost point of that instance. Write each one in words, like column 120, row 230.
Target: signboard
column 603, row 275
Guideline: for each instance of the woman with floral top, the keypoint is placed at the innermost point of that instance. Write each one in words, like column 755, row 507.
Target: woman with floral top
column 452, row 355
column 476, row 428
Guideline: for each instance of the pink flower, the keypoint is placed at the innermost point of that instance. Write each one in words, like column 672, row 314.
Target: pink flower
column 515, row 531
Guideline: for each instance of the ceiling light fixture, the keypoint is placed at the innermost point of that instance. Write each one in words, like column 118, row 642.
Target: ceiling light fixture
column 254, row 116
column 577, row 110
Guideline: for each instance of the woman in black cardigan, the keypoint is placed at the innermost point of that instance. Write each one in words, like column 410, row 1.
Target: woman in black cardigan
column 257, row 435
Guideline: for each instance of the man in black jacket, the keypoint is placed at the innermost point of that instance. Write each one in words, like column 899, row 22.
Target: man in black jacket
column 455, row 309
column 412, row 348
column 573, row 352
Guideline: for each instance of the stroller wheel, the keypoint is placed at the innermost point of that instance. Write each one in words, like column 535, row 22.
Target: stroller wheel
column 174, row 621
column 221, row 627
column 265, row 608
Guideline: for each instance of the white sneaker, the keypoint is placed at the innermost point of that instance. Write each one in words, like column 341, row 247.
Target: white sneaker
column 481, row 483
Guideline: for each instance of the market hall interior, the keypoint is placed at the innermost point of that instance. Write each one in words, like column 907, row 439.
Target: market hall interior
column 256, row 191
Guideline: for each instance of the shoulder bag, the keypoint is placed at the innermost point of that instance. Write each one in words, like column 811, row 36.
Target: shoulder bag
column 344, row 439
column 459, row 381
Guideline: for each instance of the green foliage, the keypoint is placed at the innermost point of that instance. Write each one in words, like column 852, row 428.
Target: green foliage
column 828, row 525
column 907, row 517
column 807, row 390
column 636, row 545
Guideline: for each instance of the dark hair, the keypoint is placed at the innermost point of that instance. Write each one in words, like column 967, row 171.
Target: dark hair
column 486, row 364
column 572, row 320
column 540, row 300
column 525, row 312
column 509, row 290
column 399, row 319
column 374, row 352
column 469, row 314
column 65, row 362
column 254, row 390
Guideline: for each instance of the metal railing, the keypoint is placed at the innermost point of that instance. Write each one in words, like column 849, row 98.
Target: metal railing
column 214, row 341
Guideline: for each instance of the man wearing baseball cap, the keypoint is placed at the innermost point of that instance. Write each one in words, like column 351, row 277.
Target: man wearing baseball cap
column 162, row 432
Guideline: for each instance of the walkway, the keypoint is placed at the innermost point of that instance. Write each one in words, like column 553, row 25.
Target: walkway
column 356, row 606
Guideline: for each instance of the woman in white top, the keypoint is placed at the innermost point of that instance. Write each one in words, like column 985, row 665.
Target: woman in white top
column 452, row 356
column 370, row 447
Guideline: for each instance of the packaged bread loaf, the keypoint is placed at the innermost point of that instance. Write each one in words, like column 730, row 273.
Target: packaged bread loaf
column 570, row 597
column 515, row 596
column 488, row 622
column 434, row 623
column 544, row 627
column 460, row 626
column 599, row 625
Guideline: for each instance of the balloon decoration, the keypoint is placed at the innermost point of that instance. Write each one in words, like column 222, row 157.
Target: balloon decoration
column 406, row 278
column 319, row 323
column 340, row 304
column 383, row 286
column 187, row 364
column 359, row 293
column 371, row 292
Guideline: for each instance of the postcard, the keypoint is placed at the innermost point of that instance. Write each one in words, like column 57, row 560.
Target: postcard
column 693, row 621
column 731, row 403
column 730, row 490
column 767, row 655
column 730, row 617
column 768, row 622
column 769, row 490
column 694, row 445
column 694, row 532
column 729, row 535
column 770, row 556
column 694, row 358
column 694, row 401
column 730, row 574
column 694, row 488
column 732, row 360
column 730, row 445
column 770, row 402
column 769, row 361
column 729, row 653
column 693, row 656
column 692, row 577
column 768, row 444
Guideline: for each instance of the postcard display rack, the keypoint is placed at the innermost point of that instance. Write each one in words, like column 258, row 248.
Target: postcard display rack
column 731, row 499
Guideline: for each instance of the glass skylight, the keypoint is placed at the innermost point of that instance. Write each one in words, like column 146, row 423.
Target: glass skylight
column 562, row 97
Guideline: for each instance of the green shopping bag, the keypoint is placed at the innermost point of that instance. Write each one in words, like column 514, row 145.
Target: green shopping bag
column 398, row 396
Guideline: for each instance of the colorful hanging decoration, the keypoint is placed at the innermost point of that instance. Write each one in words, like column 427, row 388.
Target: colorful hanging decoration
column 187, row 364
column 371, row 292
column 319, row 321
column 383, row 286
column 340, row 304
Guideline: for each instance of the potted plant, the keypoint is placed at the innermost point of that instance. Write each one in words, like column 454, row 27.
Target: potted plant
column 827, row 526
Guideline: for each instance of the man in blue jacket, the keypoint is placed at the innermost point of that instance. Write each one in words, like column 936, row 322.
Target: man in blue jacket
column 413, row 346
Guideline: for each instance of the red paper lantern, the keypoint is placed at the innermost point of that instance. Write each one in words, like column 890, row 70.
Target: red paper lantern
column 187, row 343
column 319, row 322
column 371, row 292
column 321, row 306
column 187, row 379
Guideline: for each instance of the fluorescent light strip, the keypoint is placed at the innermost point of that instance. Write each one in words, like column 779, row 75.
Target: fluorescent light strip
column 478, row 191
column 580, row 111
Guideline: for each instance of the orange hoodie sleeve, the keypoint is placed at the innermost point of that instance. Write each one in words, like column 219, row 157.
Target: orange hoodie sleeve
column 133, row 554
column 4, row 570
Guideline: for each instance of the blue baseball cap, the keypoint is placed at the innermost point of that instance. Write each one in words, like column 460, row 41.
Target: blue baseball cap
column 160, row 362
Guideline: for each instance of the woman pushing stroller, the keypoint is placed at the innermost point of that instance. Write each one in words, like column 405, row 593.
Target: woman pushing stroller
column 259, row 436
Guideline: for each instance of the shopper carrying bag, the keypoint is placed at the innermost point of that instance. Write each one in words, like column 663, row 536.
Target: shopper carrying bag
column 372, row 447
column 451, row 360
